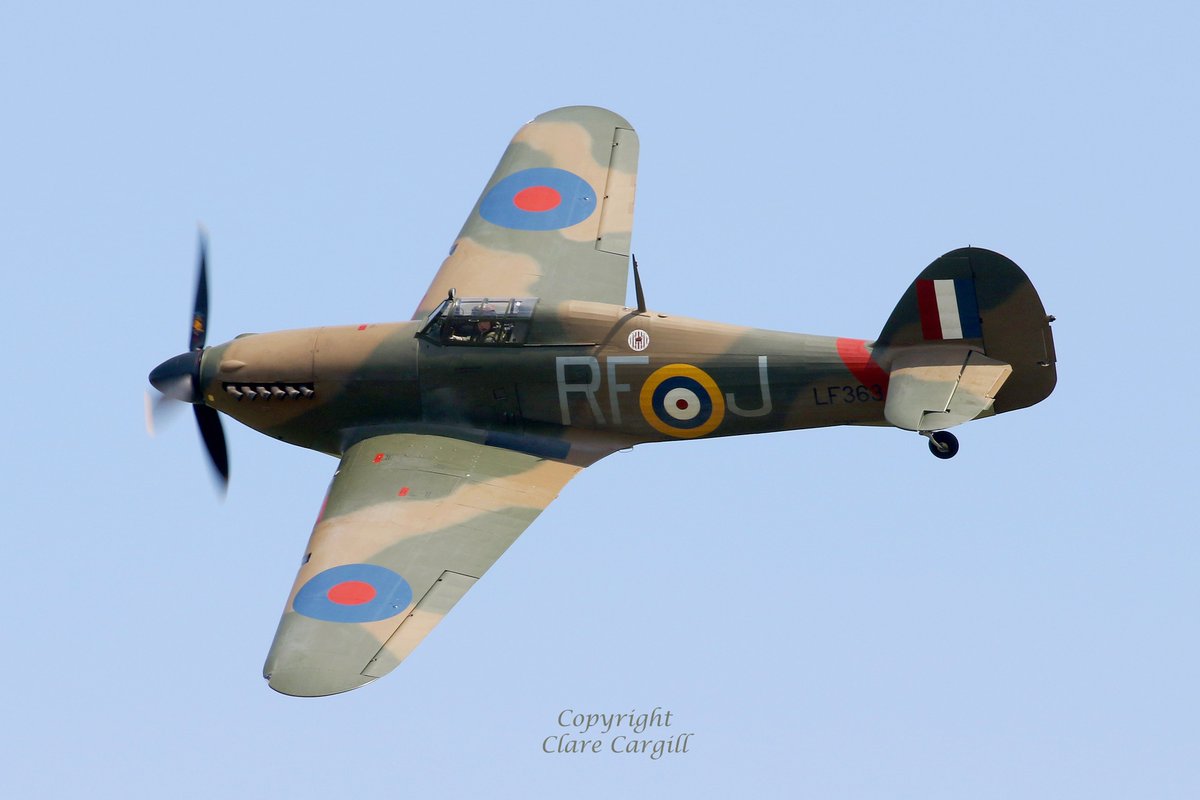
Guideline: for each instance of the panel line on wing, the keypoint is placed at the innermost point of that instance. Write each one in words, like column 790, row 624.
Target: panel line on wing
column 425, row 615
column 616, row 216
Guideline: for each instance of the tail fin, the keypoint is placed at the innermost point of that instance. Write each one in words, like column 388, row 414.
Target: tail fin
column 977, row 309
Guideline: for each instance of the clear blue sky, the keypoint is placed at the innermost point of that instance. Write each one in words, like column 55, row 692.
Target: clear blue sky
column 832, row 614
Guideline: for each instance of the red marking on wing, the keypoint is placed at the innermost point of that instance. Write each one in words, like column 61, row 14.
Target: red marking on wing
column 856, row 357
column 537, row 198
column 403, row 492
column 378, row 457
column 927, row 307
column 362, row 327
column 351, row 593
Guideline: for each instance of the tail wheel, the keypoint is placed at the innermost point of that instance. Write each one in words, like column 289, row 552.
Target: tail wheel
column 943, row 444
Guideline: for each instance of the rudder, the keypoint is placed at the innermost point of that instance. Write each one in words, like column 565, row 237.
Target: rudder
column 976, row 299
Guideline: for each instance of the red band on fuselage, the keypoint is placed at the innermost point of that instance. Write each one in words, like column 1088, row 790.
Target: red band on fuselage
column 857, row 358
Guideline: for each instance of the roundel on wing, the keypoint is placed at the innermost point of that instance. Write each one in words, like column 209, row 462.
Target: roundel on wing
column 682, row 401
column 353, row 593
column 539, row 199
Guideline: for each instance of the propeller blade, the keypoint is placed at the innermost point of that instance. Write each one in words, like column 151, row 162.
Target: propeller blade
column 214, row 441
column 150, row 414
column 200, row 307
column 159, row 409
column 178, row 378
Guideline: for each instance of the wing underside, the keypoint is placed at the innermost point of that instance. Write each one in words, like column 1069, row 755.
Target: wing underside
column 410, row 523
column 556, row 219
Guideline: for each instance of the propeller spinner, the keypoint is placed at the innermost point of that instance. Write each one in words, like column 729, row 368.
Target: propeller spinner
column 178, row 378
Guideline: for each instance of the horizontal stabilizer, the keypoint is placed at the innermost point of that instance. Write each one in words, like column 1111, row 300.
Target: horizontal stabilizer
column 931, row 388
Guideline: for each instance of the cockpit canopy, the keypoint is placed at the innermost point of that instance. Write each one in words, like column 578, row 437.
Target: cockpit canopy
column 480, row 321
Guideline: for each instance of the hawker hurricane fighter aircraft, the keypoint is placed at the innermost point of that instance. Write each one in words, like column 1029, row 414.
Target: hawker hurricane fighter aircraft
column 522, row 365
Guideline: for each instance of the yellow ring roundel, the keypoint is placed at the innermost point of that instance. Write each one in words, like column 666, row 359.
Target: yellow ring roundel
column 682, row 401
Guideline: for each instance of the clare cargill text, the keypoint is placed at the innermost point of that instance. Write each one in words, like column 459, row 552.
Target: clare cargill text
column 646, row 733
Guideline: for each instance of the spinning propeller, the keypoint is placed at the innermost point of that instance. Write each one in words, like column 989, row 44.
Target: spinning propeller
column 178, row 378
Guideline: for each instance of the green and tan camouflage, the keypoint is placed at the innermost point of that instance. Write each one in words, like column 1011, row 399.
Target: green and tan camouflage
column 522, row 366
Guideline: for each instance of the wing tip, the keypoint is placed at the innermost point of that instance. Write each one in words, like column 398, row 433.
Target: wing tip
column 585, row 114
column 314, row 683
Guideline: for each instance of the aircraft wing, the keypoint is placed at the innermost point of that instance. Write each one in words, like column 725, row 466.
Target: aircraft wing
column 410, row 523
column 555, row 220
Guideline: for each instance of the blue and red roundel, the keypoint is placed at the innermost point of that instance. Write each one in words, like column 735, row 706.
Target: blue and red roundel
column 539, row 199
column 353, row 593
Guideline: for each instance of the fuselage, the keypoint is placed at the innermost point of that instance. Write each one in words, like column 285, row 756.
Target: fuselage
column 586, row 379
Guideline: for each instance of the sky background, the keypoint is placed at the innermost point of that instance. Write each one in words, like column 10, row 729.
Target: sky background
column 832, row 614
